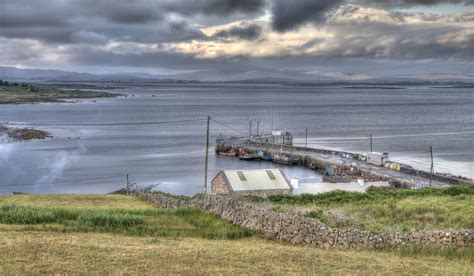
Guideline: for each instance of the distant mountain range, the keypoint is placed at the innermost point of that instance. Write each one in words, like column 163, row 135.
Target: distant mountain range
column 250, row 76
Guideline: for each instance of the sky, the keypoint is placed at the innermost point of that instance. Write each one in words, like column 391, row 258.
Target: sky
column 360, row 37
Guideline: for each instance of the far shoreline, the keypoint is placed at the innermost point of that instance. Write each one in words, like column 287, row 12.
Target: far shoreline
column 22, row 93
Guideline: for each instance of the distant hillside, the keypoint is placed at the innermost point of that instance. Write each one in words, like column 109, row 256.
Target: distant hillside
column 14, row 74
column 29, row 75
column 298, row 77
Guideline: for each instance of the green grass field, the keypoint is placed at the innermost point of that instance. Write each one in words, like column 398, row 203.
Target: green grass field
column 386, row 210
column 116, row 234
column 114, row 218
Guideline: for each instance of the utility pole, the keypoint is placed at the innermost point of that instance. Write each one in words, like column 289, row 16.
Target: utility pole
column 250, row 127
column 207, row 155
column 432, row 165
column 371, row 142
column 306, row 139
column 272, row 121
column 128, row 186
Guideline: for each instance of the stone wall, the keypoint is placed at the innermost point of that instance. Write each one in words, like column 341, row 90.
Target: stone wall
column 297, row 229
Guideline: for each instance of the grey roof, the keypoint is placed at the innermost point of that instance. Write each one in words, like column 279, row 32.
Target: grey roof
column 252, row 180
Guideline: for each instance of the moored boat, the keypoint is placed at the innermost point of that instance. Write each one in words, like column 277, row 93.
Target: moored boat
column 266, row 158
column 246, row 157
column 227, row 153
column 285, row 159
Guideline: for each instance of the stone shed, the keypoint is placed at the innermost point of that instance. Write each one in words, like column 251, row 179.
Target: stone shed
column 251, row 182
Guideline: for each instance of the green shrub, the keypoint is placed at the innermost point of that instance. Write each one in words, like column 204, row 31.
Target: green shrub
column 279, row 209
column 319, row 215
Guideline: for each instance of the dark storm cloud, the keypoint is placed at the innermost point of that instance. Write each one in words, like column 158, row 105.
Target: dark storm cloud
column 410, row 3
column 250, row 32
column 216, row 7
column 91, row 31
column 80, row 32
column 287, row 15
column 99, row 21
column 122, row 11
column 23, row 13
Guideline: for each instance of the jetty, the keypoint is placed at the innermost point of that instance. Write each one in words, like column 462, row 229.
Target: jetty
column 337, row 166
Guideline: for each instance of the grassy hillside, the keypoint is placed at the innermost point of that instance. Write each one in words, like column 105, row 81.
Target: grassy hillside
column 71, row 235
column 386, row 210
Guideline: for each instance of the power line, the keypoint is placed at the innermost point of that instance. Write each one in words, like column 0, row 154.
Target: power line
column 225, row 125
column 109, row 124
column 207, row 155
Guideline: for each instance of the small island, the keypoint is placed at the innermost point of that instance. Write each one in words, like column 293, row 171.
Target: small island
column 23, row 134
column 23, row 93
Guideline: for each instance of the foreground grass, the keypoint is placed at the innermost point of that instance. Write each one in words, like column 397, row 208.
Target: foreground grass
column 387, row 210
column 115, row 234
column 59, row 253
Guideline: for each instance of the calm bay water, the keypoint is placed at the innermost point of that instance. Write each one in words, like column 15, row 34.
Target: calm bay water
column 97, row 143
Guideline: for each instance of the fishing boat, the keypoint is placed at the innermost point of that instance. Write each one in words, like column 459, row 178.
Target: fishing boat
column 227, row 153
column 266, row 158
column 246, row 157
column 285, row 159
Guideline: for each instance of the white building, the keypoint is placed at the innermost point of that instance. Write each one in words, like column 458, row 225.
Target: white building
column 245, row 182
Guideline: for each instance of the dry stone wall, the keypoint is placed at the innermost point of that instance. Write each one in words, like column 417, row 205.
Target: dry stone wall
column 297, row 229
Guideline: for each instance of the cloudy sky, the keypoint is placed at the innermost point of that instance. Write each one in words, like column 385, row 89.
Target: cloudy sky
column 372, row 37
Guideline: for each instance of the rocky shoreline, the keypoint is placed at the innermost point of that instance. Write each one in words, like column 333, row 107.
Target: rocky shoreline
column 24, row 134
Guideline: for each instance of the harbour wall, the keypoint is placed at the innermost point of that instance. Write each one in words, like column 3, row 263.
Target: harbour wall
column 295, row 228
column 318, row 159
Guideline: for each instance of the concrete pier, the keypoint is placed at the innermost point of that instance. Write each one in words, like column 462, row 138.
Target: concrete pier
column 320, row 159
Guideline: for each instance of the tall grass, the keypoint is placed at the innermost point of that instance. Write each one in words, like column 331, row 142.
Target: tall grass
column 181, row 222
column 12, row 214
column 99, row 219
column 209, row 226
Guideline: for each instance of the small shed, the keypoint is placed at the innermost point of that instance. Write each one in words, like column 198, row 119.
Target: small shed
column 262, row 182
